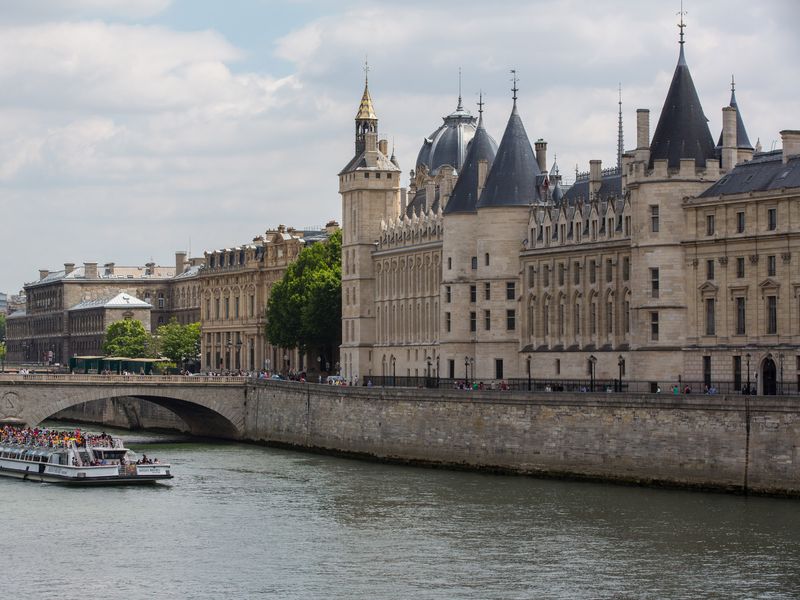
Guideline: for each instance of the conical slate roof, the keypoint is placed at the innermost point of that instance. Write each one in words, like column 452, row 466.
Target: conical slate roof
column 464, row 197
column 742, row 141
column 682, row 130
column 512, row 178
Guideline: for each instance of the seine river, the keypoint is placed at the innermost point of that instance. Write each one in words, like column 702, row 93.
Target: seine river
column 242, row 521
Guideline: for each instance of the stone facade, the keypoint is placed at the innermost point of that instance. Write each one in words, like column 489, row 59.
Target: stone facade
column 234, row 290
column 641, row 270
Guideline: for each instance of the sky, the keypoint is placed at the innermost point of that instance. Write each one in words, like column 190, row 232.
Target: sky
column 133, row 129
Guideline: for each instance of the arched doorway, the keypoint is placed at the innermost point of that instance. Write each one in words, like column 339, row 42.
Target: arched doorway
column 768, row 377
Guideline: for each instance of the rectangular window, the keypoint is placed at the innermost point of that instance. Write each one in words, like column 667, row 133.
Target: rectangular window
column 710, row 325
column 609, row 270
column 710, row 269
column 227, row 308
column 487, row 291
column 709, row 224
column 592, row 271
column 448, row 294
column 546, row 320
column 740, row 223
column 655, row 283
column 531, row 276
column 473, row 293
column 772, row 219
column 576, row 273
column 451, row 368
column 447, row 321
column 561, row 320
column 236, row 307
column 771, row 266
column 609, row 317
column 593, row 318
column 487, row 320
column 772, row 315
column 654, row 326
column 511, row 319
column 740, row 316
column 474, row 262
column 208, row 309
column 740, row 267
column 473, row 321
column 626, row 268
column 560, row 273
column 252, row 307
column 546, row 275
column 737, row 373
column 449, row 262
column 558, row 366
column 626, row 316
column 576, row 319
column 707, row 370
column 486, row 259
column 654, row 219
column 511, row 290
column 498, row 368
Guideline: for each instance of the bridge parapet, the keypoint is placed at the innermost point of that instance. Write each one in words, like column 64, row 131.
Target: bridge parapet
column 126, row 379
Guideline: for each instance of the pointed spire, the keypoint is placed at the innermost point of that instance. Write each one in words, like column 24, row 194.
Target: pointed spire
column 742, row 140
column 682, row 130
column 365, row 109
column 480, row 108
column 619, row 133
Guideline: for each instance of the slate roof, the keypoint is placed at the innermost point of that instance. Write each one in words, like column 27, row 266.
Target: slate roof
column 464, row 197
column 610, row 188
column 419, row 203
column 742, row 141
column 122, row 300
column 512, row 178
column 682, row 130
column 448, row 144
column 359, row 162
column 765, row 172
column 120, row 272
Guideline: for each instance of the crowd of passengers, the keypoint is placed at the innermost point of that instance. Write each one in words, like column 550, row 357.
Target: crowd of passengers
column 51, row 438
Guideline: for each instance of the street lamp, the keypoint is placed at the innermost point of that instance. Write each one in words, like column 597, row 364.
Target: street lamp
column 466, row 370
column 529, row 372
column 621, row 364
column 238, row 353
column 747, row 356
column 592, row 361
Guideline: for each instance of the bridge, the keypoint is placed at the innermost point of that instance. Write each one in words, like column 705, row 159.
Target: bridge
column 210, row 406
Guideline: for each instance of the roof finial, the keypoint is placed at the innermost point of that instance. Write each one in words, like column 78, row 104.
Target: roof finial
column 460, row 106
column 514, row 89
column 619, row 133
column 480, row 102
column 366, row 70
column 733, row 84
column 681, row 25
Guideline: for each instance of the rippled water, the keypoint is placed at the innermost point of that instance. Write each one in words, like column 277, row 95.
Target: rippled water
column 242, row 521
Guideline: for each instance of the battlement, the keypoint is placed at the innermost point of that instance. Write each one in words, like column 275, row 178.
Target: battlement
column 636, row 171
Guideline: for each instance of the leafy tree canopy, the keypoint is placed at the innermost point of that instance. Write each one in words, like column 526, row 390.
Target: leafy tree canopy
column 128, row 338
column 305, row 306
column 2, row 352
column 178, row 342
column 2, row 326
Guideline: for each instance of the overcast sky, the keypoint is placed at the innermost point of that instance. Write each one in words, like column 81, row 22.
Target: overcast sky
column 132, row 129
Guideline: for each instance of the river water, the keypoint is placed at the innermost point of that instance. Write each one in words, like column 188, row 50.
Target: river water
column 243, row 521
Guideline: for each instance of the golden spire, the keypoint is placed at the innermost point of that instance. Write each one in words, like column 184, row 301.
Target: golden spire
column 365, row 109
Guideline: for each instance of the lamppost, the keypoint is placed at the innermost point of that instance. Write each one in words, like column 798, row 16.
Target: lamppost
column 238, row 353
column 466, row 370
column 437, row 371
column 592, row 361
column 621, row 364
column 529, row 372
column 394, row 370
column 429, row 362
column 747, row 356
column 780, row 358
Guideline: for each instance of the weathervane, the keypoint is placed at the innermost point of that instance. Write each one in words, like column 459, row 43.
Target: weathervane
column 480, row 102
column 682, row 25
column 366, row 69
column 514, row 80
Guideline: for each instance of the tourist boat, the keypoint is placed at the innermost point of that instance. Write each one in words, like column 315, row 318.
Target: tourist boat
column 74, row 458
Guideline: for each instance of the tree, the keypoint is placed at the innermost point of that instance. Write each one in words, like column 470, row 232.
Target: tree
column 2, row 327
column 128, row 338
column 305, row 306
column 2, row 357
column 177, row 342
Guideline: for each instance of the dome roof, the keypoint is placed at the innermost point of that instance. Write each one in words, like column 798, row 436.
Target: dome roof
column 448, row 144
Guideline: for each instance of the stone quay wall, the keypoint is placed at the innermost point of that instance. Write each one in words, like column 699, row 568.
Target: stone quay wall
column 732, row 443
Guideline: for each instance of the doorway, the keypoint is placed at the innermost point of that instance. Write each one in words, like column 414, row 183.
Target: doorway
column 768, row 377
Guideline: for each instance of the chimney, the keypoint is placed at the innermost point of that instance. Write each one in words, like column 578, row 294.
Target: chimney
column 90, row 270
column 430, row 195
column 642, row 128
column 43, row 273
column 109, row 268
column 483, row 171
column 69, row 268
column 595, row 177
column 728, row 138
column 541, row 154
column 403, row 200
column 180, row 262
column 383, row 146
column 371, row 141
column 149, row 268
column 790, row 140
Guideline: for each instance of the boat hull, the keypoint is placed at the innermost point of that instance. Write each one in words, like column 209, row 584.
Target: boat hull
column 82, row 481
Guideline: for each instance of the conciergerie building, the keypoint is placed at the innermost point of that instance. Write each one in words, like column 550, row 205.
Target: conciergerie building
column 680, row 263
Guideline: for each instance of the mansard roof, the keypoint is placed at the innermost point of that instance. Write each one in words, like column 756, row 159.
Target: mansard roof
column 512, row 178
column 765, row 172
column 464, row 197
column 682, row 130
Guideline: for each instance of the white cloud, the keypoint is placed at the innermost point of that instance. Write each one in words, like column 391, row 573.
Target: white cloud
column 36, row 10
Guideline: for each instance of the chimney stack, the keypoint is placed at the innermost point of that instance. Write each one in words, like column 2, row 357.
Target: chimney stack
column 790, row 140
column 642, row 128
column 483, row 171
column 69, row 268
column 729, row 142
column 43, row 273
column 90, row 270
column 383, row 146
column 180, row 262
column 541, row 154
column 595, row 177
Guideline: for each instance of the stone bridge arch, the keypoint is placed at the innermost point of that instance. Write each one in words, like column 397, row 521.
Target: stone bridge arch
column 212, row 410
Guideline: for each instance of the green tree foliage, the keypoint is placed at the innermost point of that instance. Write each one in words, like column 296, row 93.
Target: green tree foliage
column 177, row 342
column 128, row 338
column 2, row 326
column 2, row 356
column 305, row 307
